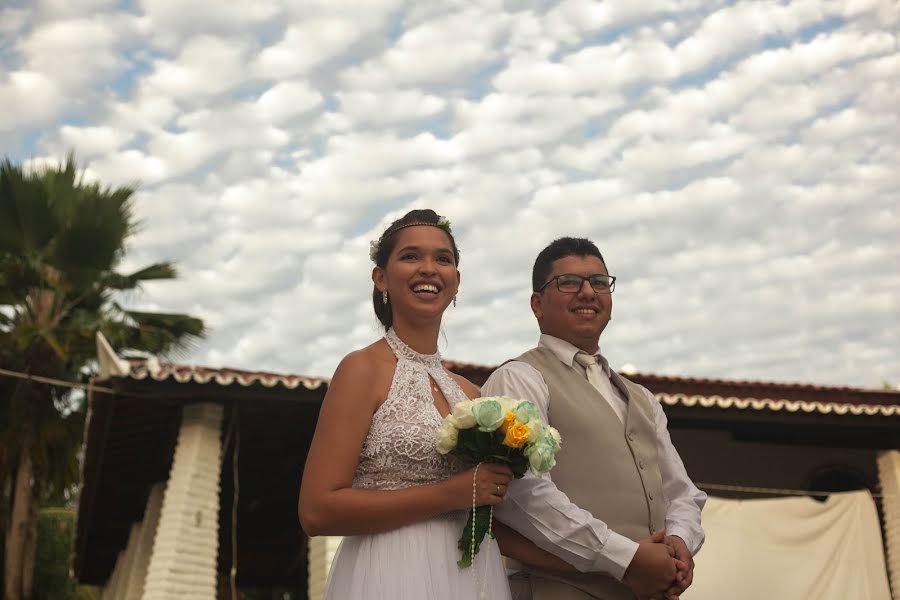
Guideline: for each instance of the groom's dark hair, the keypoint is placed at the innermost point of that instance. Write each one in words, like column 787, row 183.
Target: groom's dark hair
column 560, row 248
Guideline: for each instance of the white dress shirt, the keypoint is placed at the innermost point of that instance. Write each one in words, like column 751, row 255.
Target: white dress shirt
column 537, row 509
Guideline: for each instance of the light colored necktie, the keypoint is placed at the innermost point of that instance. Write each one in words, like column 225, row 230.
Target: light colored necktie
column 597, row 378
column 594, row 373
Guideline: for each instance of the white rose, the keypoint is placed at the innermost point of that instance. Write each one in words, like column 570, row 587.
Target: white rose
column 508, row 404
column 536, row 426
column 446, row 437
column 462, row 415
column 556, row 436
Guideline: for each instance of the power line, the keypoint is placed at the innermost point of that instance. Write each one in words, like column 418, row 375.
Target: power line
column 56, row 382
column 768, row 491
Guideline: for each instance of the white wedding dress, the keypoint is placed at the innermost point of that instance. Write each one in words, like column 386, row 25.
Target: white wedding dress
column 417, row 561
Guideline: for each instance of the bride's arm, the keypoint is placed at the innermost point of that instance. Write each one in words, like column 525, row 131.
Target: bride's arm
column 515, row 545
column 328, row 503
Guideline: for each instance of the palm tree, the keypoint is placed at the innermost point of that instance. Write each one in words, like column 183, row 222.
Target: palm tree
column 61, row 240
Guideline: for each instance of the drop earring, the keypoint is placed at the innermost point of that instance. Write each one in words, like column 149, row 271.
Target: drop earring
column 454, row 301
column 384, row 296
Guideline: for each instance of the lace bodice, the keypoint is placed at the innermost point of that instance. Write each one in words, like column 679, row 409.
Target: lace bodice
column 399, row 450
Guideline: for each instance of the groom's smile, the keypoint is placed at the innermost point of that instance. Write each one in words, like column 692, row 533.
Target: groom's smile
column 580, row 317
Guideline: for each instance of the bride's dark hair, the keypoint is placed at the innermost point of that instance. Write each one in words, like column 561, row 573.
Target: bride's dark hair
column 382, row 248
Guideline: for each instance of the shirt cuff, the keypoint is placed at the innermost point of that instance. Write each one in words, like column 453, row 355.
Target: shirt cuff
column 689, row 540
column 617, row 554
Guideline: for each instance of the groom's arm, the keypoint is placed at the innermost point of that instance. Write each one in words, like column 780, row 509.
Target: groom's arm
column 537, row 509
column 684, row 501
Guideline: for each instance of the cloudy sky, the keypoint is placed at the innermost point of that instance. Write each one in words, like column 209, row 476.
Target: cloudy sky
column 736, row 162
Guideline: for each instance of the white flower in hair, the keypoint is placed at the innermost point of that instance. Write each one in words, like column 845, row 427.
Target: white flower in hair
column 375, row 245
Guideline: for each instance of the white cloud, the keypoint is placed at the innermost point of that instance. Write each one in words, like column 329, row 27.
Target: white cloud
column 571, row 19
column 500, row 121
column 389, row 107
column 173, row 20
column 733, row 160
column 27, row 99
column 742, row 26
column 307, row 44
column 78, row 51
column 610, row 67
column 128, row 167
column 451, row 46
column 206, row 66
column 366, row 155
column 59, row 9
column 89, row 141
column 285, row 100
column 12, row 20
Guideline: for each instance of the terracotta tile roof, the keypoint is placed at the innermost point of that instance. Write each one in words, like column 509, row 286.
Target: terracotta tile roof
column 181, row 373
column 746, row 395
column 669, row 390
column 780, row 405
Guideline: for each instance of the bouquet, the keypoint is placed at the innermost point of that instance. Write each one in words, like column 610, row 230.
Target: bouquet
column 495, row 430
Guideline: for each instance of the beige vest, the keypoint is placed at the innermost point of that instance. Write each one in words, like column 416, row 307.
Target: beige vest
column 604, row 467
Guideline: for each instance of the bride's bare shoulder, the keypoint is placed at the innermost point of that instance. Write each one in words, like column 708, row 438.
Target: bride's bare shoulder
column 367, row 361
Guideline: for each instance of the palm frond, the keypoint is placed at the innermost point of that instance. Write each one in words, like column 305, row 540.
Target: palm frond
column 27, row 219
column 156, row 333
column 117, row 281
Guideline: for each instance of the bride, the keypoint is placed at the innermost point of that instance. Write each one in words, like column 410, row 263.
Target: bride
column 372, row 474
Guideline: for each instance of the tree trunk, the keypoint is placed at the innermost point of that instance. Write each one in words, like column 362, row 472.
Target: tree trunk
column 30, row 550
column 22, row 500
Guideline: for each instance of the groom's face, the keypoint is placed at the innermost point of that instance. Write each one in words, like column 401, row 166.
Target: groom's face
column 576, row 318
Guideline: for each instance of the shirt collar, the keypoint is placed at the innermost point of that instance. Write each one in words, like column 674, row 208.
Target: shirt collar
column 566, row 352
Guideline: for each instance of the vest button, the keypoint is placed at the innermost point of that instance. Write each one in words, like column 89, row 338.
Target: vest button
column 630, row 436
column 640, row 464
column 650, row 496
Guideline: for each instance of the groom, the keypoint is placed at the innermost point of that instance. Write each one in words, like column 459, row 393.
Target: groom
column 620, row 507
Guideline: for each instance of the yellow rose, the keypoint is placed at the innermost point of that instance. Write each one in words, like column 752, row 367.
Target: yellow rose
column 508, row 420
column 516, row 435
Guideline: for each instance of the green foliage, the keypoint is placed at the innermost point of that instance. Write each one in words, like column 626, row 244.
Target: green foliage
column 474, row 446
column 61, row 241
column 481, row 520
column 56, row 531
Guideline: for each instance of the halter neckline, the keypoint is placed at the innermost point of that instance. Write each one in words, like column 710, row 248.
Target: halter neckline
column 402, row 350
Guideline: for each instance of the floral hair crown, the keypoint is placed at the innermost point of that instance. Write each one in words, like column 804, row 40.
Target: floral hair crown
column 375, row 245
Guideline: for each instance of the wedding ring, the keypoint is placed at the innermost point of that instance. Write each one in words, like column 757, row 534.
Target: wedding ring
column 498, row 489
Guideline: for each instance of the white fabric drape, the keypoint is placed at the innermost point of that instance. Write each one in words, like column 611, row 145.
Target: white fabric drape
column 889, row 478
column 791, row 549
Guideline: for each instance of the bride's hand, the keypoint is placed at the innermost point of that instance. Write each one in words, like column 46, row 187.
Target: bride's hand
column 490, row 484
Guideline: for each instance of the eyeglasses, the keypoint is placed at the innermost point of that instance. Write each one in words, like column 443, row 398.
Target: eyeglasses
column 570, row 283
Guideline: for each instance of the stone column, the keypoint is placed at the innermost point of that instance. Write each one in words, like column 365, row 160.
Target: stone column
column 185, row 548
column 134, row 587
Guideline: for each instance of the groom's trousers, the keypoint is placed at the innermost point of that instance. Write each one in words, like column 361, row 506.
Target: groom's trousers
column 578, row 587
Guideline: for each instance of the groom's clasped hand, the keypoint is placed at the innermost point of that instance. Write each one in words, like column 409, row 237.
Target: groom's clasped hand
column 656, row 572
